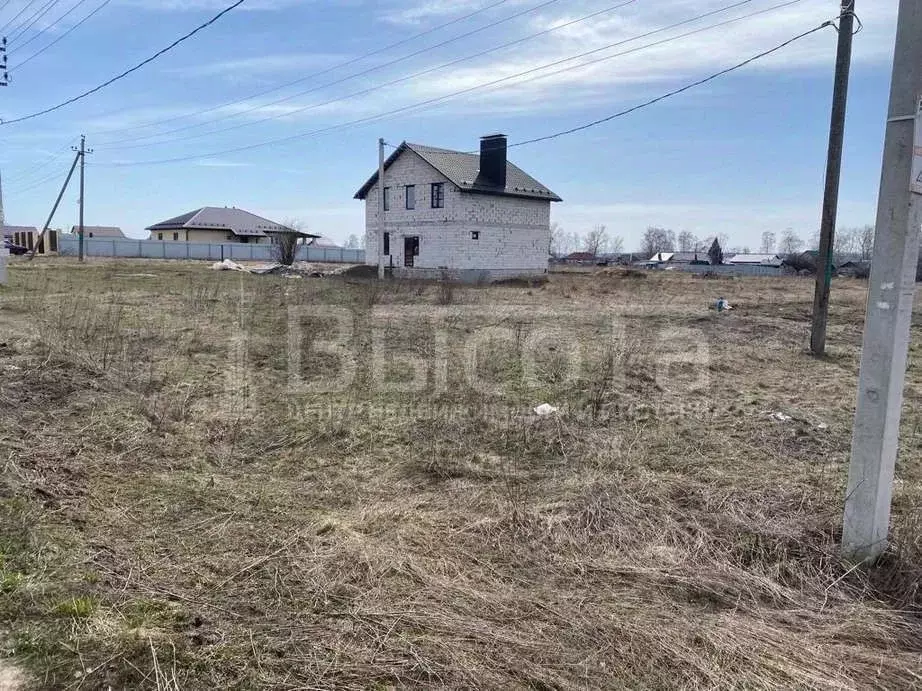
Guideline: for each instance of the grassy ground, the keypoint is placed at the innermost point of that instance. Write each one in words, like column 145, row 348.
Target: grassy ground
column 216, row 480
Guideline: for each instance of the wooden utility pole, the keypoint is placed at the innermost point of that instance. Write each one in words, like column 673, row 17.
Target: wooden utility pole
column 57, row 202
column 889, row 311
column 833, row 175
column 381, row 209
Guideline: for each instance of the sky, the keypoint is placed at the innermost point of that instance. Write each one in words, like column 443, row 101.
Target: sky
column 277, row 107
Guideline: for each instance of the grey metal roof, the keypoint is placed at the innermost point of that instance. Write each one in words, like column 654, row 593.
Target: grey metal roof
column 100, row 231
column 761, row 259
column 237, row 221
column 462, row 169
column 688, row 257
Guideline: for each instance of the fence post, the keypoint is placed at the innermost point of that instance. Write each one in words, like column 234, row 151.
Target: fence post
column 140, row 249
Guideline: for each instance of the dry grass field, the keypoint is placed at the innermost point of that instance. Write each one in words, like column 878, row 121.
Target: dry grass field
column 225, row 481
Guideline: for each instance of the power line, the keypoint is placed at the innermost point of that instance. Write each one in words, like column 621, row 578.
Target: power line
column 445, row 97
column 301, row 80
column 347, row 77
column 415, row 75
column 30, row 172
column 16, row 16
column 676, row 92
column 31, row 21
column 63, row 35
column 128, row 71
column 53, row 24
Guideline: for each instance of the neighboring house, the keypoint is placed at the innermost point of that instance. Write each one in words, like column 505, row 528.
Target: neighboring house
column 323, row 243
column 215, row 225
column 679, row 258
column 756, row 260
column 467, row 216
column 11, row 232
column 855, row 268
column 580, row 258
column 109, row 232
column 28, row 237
column 805, row 262
column 690, row 258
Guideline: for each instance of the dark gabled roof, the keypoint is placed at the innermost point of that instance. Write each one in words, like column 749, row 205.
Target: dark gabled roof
column 237, row 221
column 463, row 169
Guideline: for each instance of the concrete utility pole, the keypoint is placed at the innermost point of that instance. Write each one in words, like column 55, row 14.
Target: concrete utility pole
column 4, row 75
column 891, row 287
column 833, row 175
column 81, row 154
column 381, row 208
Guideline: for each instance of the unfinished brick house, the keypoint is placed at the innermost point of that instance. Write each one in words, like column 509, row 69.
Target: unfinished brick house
column 459, row 215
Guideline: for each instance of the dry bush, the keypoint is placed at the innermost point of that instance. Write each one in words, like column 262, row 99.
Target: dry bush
column 285, row 247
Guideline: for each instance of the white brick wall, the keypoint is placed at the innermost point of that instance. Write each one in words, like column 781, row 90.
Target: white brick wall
column 512, row 234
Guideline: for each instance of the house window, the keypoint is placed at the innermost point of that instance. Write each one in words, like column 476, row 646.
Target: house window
column 411, row 197
column 160, row 236
column 475, row 235
column 387, row 244
column 387, row 198
column 175, row 237
column 438, row 195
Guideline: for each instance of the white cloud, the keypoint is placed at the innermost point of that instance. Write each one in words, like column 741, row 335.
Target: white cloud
column 240, row 68
column 622, row 76
column 216, row 5
column 216, row 163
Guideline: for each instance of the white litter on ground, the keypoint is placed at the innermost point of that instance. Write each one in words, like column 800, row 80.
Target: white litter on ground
column 228, row 265
column 545, row 409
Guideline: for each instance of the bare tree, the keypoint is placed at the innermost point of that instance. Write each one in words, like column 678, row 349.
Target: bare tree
column 790, row 243
column 558, row 241
column 866, row 241
column 616, row 244
column 352, row 242
column 768, row 242
column 656, row 240
column 596, row 241
column 686, row 241
column 846, row 243
column 285, row 247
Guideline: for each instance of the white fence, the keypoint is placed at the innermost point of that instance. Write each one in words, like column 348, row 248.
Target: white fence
column 154, row 249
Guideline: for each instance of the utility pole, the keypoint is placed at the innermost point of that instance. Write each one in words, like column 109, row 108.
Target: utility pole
column 81, row 155
column 381, row 208
column 833, row 175
column 54, row 208
column 4, row 75
column 889, row 311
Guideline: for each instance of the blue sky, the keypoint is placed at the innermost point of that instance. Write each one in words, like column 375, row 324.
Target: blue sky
column 741, row 155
